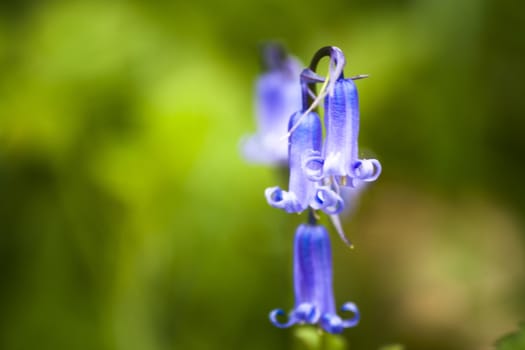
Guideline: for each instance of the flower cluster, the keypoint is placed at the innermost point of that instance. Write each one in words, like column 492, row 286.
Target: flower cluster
column 325, row 172
column 319, row 167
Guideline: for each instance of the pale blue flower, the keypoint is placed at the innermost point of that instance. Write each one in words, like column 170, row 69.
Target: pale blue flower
column 277, row 97
column 340, row 160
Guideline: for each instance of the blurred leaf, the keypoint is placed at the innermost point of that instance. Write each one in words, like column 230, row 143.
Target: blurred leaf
column 513, row 341
column 309, row 338
column 314, row 339
column 392, row 347
column 334, row 342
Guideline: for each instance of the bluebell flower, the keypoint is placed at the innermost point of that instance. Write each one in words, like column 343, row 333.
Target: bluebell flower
column 340, row 158
column 277, row 96
column 314, row 299
column 341, row 150
column 304, row 142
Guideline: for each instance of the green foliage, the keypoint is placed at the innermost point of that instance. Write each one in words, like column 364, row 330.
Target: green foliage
column 513, row 341
column 311, row 338
column 392, row 347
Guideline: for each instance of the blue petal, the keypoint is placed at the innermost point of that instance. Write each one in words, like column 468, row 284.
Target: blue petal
column 304, row 141
column 342, row 128
column 366, row 169
column 307, row 312
column 280, row 199
column 314, row 298
column 278, row 312
column 332, row 323
column 313, row 267
column 351, row 322
column 305, row 275
column 328, row 201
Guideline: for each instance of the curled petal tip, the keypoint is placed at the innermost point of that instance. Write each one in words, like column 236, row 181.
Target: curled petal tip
column 332, row 324
column 278, row 198
column 351, row 322
column 274, row 195
column 367, row 170
column 328, row 201
column 307, row 312
column 278, row 312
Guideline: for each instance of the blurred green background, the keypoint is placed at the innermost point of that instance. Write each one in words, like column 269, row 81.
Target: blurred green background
column 129, row 221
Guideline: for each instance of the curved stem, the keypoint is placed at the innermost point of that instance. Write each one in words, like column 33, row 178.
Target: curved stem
column 333, row 52
column 336, row 57
column 308, row 80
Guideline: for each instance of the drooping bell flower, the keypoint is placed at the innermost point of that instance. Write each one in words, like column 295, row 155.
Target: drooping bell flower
column 277, row 97
column 314, row 299
column 305, row 140
column 340, row 157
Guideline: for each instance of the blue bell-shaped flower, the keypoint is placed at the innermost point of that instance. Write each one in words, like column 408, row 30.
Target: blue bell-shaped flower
column 341, row 149
column 314, row 299
column 305, row 141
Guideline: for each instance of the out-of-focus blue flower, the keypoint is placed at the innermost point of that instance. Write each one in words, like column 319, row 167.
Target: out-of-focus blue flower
column 278, row 96
column 304, row 142
column 314, row 299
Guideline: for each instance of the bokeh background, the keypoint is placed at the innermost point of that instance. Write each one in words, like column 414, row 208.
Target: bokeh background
column 128, row 219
